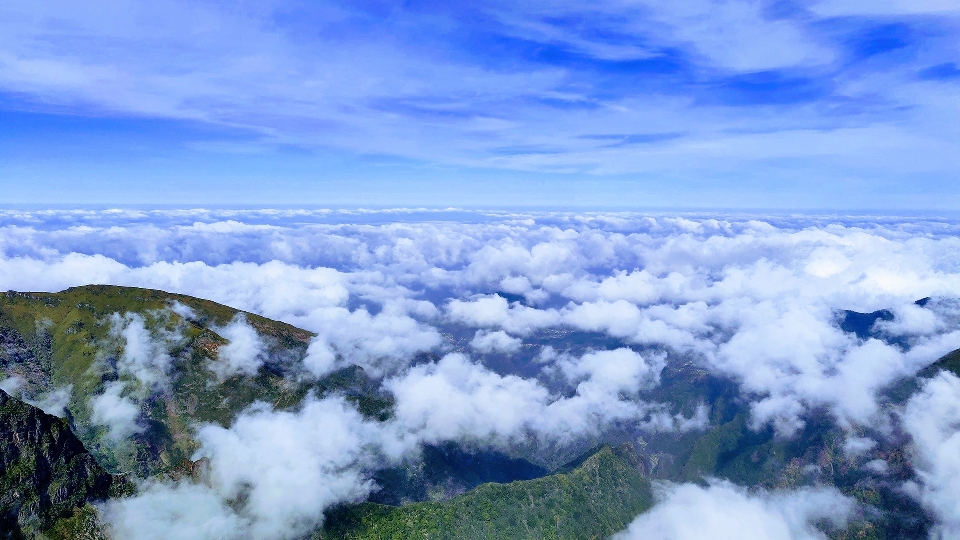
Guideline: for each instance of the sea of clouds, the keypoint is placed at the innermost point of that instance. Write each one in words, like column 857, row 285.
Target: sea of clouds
column 752, row 298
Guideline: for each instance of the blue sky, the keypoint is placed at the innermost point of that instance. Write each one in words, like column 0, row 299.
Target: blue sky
column 837, row 104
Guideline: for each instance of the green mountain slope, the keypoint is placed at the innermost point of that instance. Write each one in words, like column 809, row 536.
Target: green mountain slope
column 595, row 500
column 68, row 341
column 950, row 362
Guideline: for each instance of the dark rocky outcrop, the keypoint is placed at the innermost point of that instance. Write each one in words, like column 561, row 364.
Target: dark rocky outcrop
column 45, row 472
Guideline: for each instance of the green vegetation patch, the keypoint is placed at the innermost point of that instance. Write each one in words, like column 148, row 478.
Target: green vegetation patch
column 65, row 340
column 595, row 500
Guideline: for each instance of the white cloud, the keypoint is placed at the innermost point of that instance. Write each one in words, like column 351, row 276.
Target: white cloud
column 184, row 311
column 270, row 475
column 160, row 511
column 382, row 90
column 115, row 411
column 495, row 311
column 612, row 372
column 723, row 511
column 291, row 466
column 840, row 8
column 11, row 385
column 737, row 35
column 380, row 343
column 456, row 399
column 857, row 446
column 932, row 418
column 877, row 466
column 244, row 353
column 751, row 299
column 53, row 402
column 144, row 355
column 320, row 358
column 491, row 342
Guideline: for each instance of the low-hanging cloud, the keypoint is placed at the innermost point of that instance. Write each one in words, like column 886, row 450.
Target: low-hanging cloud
column 380, row 343
column 52, row 401
column 185, row 510
column 493, row 342
column 932, row 418
column 244, row 352
column 116, row 411
column 144, row 354
column 317, row 458
column 325, row 453
column 723, row 511
column 270, row 475
column 456, row 399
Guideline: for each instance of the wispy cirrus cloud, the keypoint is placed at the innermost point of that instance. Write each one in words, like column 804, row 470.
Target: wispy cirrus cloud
column 744, row 89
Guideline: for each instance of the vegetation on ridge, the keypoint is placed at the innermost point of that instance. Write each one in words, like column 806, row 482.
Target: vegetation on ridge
column 596, row 499
column 68, row 341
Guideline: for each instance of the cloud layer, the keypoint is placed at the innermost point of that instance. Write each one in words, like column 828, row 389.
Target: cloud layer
column 933, row 419
column 726, row 512
column 753, row 300
column 497, row 328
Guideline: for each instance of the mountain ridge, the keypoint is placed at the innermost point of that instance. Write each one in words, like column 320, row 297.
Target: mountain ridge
column 55, row 341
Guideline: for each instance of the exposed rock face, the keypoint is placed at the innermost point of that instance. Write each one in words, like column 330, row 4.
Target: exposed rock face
column 45, row 472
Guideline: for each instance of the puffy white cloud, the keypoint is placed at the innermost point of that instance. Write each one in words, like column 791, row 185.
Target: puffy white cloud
column 160, row 511
column 795, row 357
column 932, row 417
column 380, row 343
column 723, row 511
column 456, row 399
column 911, row 320
column 270, row 475
column 499, row 341
column 244, row 353
column 116, row 411
column 495, row 311
column 288, row 467
column 611, row 372
column 144, row 355
column 320, row 359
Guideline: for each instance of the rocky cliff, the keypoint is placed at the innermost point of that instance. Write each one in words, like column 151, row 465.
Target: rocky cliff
column 45, row 472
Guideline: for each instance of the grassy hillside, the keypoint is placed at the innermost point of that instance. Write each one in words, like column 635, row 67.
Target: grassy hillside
column 68, row 341
column 593, row 501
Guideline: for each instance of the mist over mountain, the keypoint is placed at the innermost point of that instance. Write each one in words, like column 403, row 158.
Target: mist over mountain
column 281, row 373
